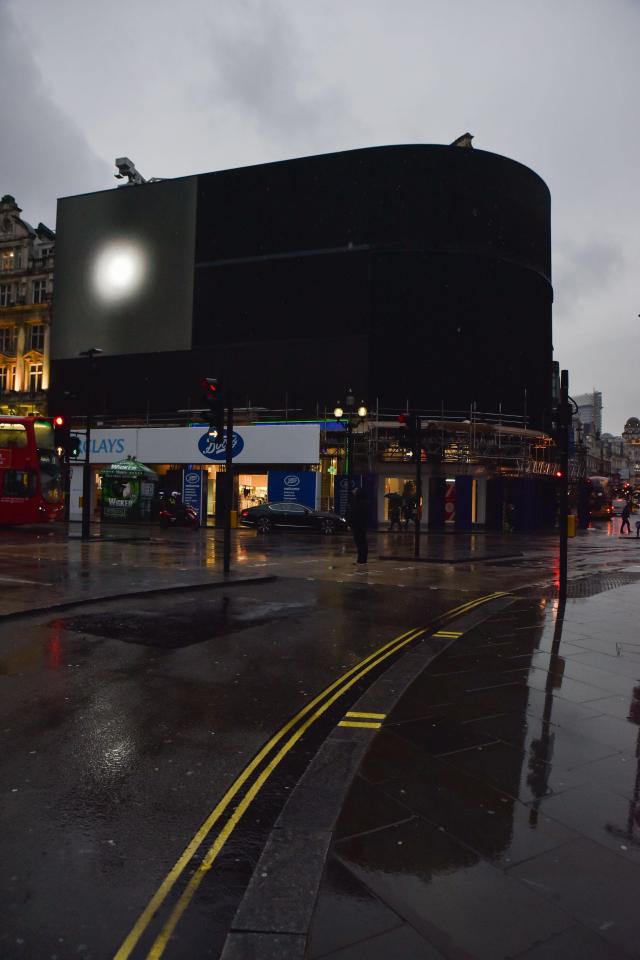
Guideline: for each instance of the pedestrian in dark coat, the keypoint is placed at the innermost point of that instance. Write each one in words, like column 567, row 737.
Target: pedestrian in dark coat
column 626, row 512
column 357, row 516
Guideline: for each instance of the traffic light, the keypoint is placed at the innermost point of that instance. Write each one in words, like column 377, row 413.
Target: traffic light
column 402, row 430
column 408, row 431
column 73, row 447
column 60, row 432
column 213, row 397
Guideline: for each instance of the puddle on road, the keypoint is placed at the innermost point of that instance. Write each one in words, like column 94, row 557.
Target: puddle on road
column 182, row 628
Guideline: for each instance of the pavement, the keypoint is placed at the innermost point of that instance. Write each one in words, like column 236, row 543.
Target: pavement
column 497, row 812
column 490, row 810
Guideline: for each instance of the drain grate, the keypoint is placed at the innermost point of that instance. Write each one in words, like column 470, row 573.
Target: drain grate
column 598, row 583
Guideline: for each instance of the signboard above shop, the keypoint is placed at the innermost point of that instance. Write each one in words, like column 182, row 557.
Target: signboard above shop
column 272, row 443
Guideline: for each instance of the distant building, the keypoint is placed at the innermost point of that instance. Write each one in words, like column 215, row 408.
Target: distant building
column 26, row 286
column 590, row 412
column 631, row 437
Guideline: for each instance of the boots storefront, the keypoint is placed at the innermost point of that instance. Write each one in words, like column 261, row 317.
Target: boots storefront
column 271, row 461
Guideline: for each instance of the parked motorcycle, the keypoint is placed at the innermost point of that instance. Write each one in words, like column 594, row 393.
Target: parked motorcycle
column 178, row 516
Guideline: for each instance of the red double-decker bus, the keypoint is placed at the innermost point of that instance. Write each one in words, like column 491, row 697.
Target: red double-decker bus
column 31, row 484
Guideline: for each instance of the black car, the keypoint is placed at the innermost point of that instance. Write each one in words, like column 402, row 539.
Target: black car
column 292, row 516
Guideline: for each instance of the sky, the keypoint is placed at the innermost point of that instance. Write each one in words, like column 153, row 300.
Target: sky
column 212, row 84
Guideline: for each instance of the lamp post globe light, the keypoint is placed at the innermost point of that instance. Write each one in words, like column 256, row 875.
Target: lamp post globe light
column 90, row 354
column 350, row 415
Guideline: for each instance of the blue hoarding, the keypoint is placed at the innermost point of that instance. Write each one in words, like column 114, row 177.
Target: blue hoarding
column 289, row 486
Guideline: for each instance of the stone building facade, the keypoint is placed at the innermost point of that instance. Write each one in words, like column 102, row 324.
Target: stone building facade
column 26, row 289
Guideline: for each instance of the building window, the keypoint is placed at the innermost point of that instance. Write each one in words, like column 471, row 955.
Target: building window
column 7, row 378
column 8, row 260
column 36, row 337
column 5, row 294
column 39, row 291
column 35, row 377
column 8, row 339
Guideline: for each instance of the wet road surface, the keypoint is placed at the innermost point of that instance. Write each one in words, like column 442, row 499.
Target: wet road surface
column 123, row 724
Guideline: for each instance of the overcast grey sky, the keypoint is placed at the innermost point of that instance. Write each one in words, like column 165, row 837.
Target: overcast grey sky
column 208, row 84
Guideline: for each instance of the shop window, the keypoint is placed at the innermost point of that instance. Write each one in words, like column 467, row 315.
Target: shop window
column 252, row 490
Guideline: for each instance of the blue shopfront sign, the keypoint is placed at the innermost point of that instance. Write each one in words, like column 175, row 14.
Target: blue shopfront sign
column 215, row 448
column 340, row 494
column 192, row 489
column 289, row 486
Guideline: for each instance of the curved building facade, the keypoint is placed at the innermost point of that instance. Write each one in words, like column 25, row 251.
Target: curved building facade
column 417, row 274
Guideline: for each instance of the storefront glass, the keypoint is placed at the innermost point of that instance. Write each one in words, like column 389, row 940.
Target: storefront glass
column 252, row 490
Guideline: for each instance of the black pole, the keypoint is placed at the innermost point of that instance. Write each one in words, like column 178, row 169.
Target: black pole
column 226, row 552
column 564, row 414
column 349, row 427
column 86, row 467
column 417, row 431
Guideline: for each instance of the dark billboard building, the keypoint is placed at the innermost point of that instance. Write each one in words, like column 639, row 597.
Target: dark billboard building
column 416, row 274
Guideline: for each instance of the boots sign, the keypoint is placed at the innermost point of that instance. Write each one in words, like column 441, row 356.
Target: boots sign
column 297, row 443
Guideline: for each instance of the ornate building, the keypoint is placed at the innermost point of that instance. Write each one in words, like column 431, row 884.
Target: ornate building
column 631, row 437
column 26, row 287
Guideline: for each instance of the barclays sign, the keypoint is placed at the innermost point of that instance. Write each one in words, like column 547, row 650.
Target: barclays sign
column 215, row 448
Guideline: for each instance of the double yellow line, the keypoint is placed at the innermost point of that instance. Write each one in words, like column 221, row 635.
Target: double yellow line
column 291, row 732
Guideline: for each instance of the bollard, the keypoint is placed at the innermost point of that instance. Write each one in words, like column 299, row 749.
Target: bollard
column 234, row 519
column 572, row 522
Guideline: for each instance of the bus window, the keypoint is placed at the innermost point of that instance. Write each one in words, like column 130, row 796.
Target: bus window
column 13, row 435
column 19, row 483
column 44, row 435
column 51, row 483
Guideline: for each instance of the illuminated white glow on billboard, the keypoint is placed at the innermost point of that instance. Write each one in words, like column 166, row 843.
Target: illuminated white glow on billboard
column 119, row 270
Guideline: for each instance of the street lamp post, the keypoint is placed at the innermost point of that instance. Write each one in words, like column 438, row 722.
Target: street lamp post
column 350, row 416
column 86, row 467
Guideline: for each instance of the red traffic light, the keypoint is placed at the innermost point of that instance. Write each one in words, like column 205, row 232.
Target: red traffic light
column 58, row 421
column 558, row 473
column 210, row 385
column 402, row 419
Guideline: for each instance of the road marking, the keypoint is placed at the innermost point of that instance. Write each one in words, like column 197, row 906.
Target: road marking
column 449, row 634
column 365, row 716
column 329, row 695
column 38, row 583
column 360, row 723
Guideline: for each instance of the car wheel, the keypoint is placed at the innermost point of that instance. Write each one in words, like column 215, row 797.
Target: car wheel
column 263, row 525
column 327, row 526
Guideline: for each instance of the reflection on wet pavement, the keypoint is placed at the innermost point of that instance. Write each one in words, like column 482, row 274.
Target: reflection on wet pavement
column 505, row 784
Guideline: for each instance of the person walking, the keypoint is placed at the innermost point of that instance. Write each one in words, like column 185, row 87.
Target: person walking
column 626, row 512
column 407, row 512
column 357, row 516
column 394, row 516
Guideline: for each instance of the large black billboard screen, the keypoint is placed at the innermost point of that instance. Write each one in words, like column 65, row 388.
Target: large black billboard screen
column 124, row 270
